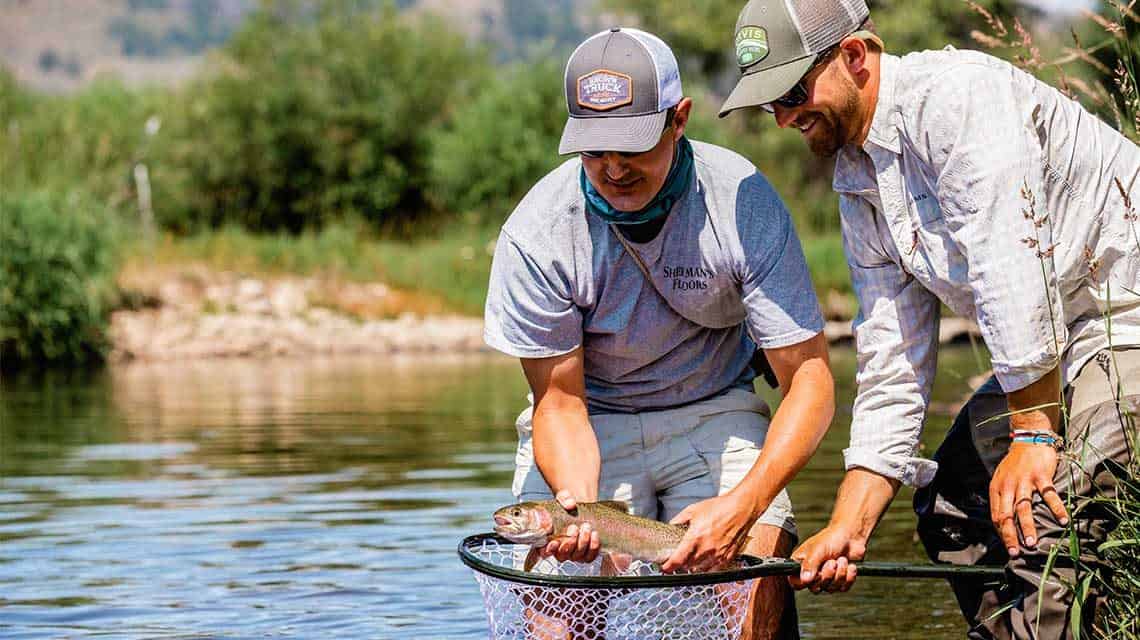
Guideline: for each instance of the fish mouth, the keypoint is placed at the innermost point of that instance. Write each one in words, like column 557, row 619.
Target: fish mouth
column 502, row 521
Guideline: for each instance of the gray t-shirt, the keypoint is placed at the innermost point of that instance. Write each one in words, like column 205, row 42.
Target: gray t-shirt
column 727, row 258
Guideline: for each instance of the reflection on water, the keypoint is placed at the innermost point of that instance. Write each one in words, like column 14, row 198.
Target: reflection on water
column 317, row 498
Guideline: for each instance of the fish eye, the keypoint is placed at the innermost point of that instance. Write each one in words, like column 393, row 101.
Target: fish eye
column 516, row 511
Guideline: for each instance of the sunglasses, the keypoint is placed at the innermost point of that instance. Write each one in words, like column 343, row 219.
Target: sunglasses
column 597, row 155
column 798, row 94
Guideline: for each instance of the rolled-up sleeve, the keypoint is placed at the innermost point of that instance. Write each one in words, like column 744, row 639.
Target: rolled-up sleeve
column 530, row 312
column 896, row 333
column 981, row 141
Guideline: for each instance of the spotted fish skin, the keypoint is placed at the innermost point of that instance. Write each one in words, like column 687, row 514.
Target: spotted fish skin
column 624, row 537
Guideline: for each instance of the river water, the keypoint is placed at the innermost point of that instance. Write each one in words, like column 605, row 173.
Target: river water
column 322, row 499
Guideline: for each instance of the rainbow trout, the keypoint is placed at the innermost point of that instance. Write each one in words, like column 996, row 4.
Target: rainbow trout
column 624, row 537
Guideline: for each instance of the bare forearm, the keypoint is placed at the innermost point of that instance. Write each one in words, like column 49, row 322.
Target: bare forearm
column 795, row 432
column 566, row 452
column 862, row 500
column 1037, row 407
column 826, row 557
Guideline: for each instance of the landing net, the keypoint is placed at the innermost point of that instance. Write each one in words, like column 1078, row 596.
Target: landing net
column 571, row 600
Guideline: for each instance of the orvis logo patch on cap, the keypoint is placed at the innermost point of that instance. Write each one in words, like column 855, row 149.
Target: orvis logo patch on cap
column 751, row 45
column 602, row 90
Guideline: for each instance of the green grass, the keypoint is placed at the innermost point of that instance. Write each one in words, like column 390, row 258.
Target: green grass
column 824, row 254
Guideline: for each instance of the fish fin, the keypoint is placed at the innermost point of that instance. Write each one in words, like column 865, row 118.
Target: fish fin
column 615, row 564
column 532, row 558
column 620, row 505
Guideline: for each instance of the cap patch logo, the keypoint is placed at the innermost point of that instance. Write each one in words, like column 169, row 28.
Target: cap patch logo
column 602, row 90
column 751, row 45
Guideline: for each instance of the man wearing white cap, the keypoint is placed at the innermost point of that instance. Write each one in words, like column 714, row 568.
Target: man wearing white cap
column 966, row 182
column 637, row 282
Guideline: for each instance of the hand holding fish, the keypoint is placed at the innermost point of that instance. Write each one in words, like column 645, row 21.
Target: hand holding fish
column 717, row 532
column 577, row 543
column 623, row 537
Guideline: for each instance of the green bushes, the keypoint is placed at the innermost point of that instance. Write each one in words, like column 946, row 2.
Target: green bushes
column 57, row 269
column 497, row 146
column 305, row 121
column 89, row 140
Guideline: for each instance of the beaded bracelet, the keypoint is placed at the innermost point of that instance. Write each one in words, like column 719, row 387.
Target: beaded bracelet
column 1038, row 437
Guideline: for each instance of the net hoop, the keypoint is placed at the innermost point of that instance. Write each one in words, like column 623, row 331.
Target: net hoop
column 751, row 568
column 569, row 599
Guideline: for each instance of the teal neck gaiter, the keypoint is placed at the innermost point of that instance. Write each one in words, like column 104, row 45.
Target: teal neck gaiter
column 675, row 185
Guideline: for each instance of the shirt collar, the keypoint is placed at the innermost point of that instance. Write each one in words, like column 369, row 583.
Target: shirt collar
column 851, row 176
column 884, row 133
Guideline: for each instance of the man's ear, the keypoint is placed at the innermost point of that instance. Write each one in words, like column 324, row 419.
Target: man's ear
column 681, row 117
column 854, row 53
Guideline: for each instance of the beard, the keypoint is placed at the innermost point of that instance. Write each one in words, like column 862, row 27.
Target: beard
column 828, row 138
column 833, row 128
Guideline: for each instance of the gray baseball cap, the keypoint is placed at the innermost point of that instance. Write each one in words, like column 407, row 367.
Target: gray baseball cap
column 620, row 83
column 777, row 42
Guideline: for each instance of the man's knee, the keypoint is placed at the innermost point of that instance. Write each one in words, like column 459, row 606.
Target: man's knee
column 773, row 613
column 769, row 541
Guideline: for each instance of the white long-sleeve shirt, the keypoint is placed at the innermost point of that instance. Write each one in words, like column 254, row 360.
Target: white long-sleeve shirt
column 988, row 190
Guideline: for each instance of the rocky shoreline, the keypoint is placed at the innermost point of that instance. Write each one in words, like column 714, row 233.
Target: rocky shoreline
column 196, row 314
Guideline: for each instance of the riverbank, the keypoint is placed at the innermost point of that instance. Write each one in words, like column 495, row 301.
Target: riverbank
column 192, row 310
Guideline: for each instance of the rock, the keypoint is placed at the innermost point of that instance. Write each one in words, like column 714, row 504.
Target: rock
column 837, row 306
column 181, row 293
column 250, row 289
column 288, row 299
column 837, row 331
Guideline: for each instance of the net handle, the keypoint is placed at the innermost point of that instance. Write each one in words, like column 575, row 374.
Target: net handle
column 753, row 568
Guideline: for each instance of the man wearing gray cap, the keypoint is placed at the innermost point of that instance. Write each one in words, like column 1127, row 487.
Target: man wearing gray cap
column 637, row 282
column 967, row 182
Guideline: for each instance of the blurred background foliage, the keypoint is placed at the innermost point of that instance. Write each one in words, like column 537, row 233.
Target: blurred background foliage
column 57, row 270
column 319, row 112
column 386, row 121
column 303, row 122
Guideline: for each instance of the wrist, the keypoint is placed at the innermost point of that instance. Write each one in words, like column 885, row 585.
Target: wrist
column 751, row 498
column 1034, row 419
column 1037, row 437
column 850, row 526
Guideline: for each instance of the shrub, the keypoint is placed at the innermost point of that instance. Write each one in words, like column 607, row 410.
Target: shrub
column 312, row 119
column 501, row 143
column 88, row 141
column 57, row 267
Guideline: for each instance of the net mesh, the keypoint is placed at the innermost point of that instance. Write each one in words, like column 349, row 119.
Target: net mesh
column 517, row 610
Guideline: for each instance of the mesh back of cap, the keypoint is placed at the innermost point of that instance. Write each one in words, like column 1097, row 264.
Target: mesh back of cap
column 823, row 23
